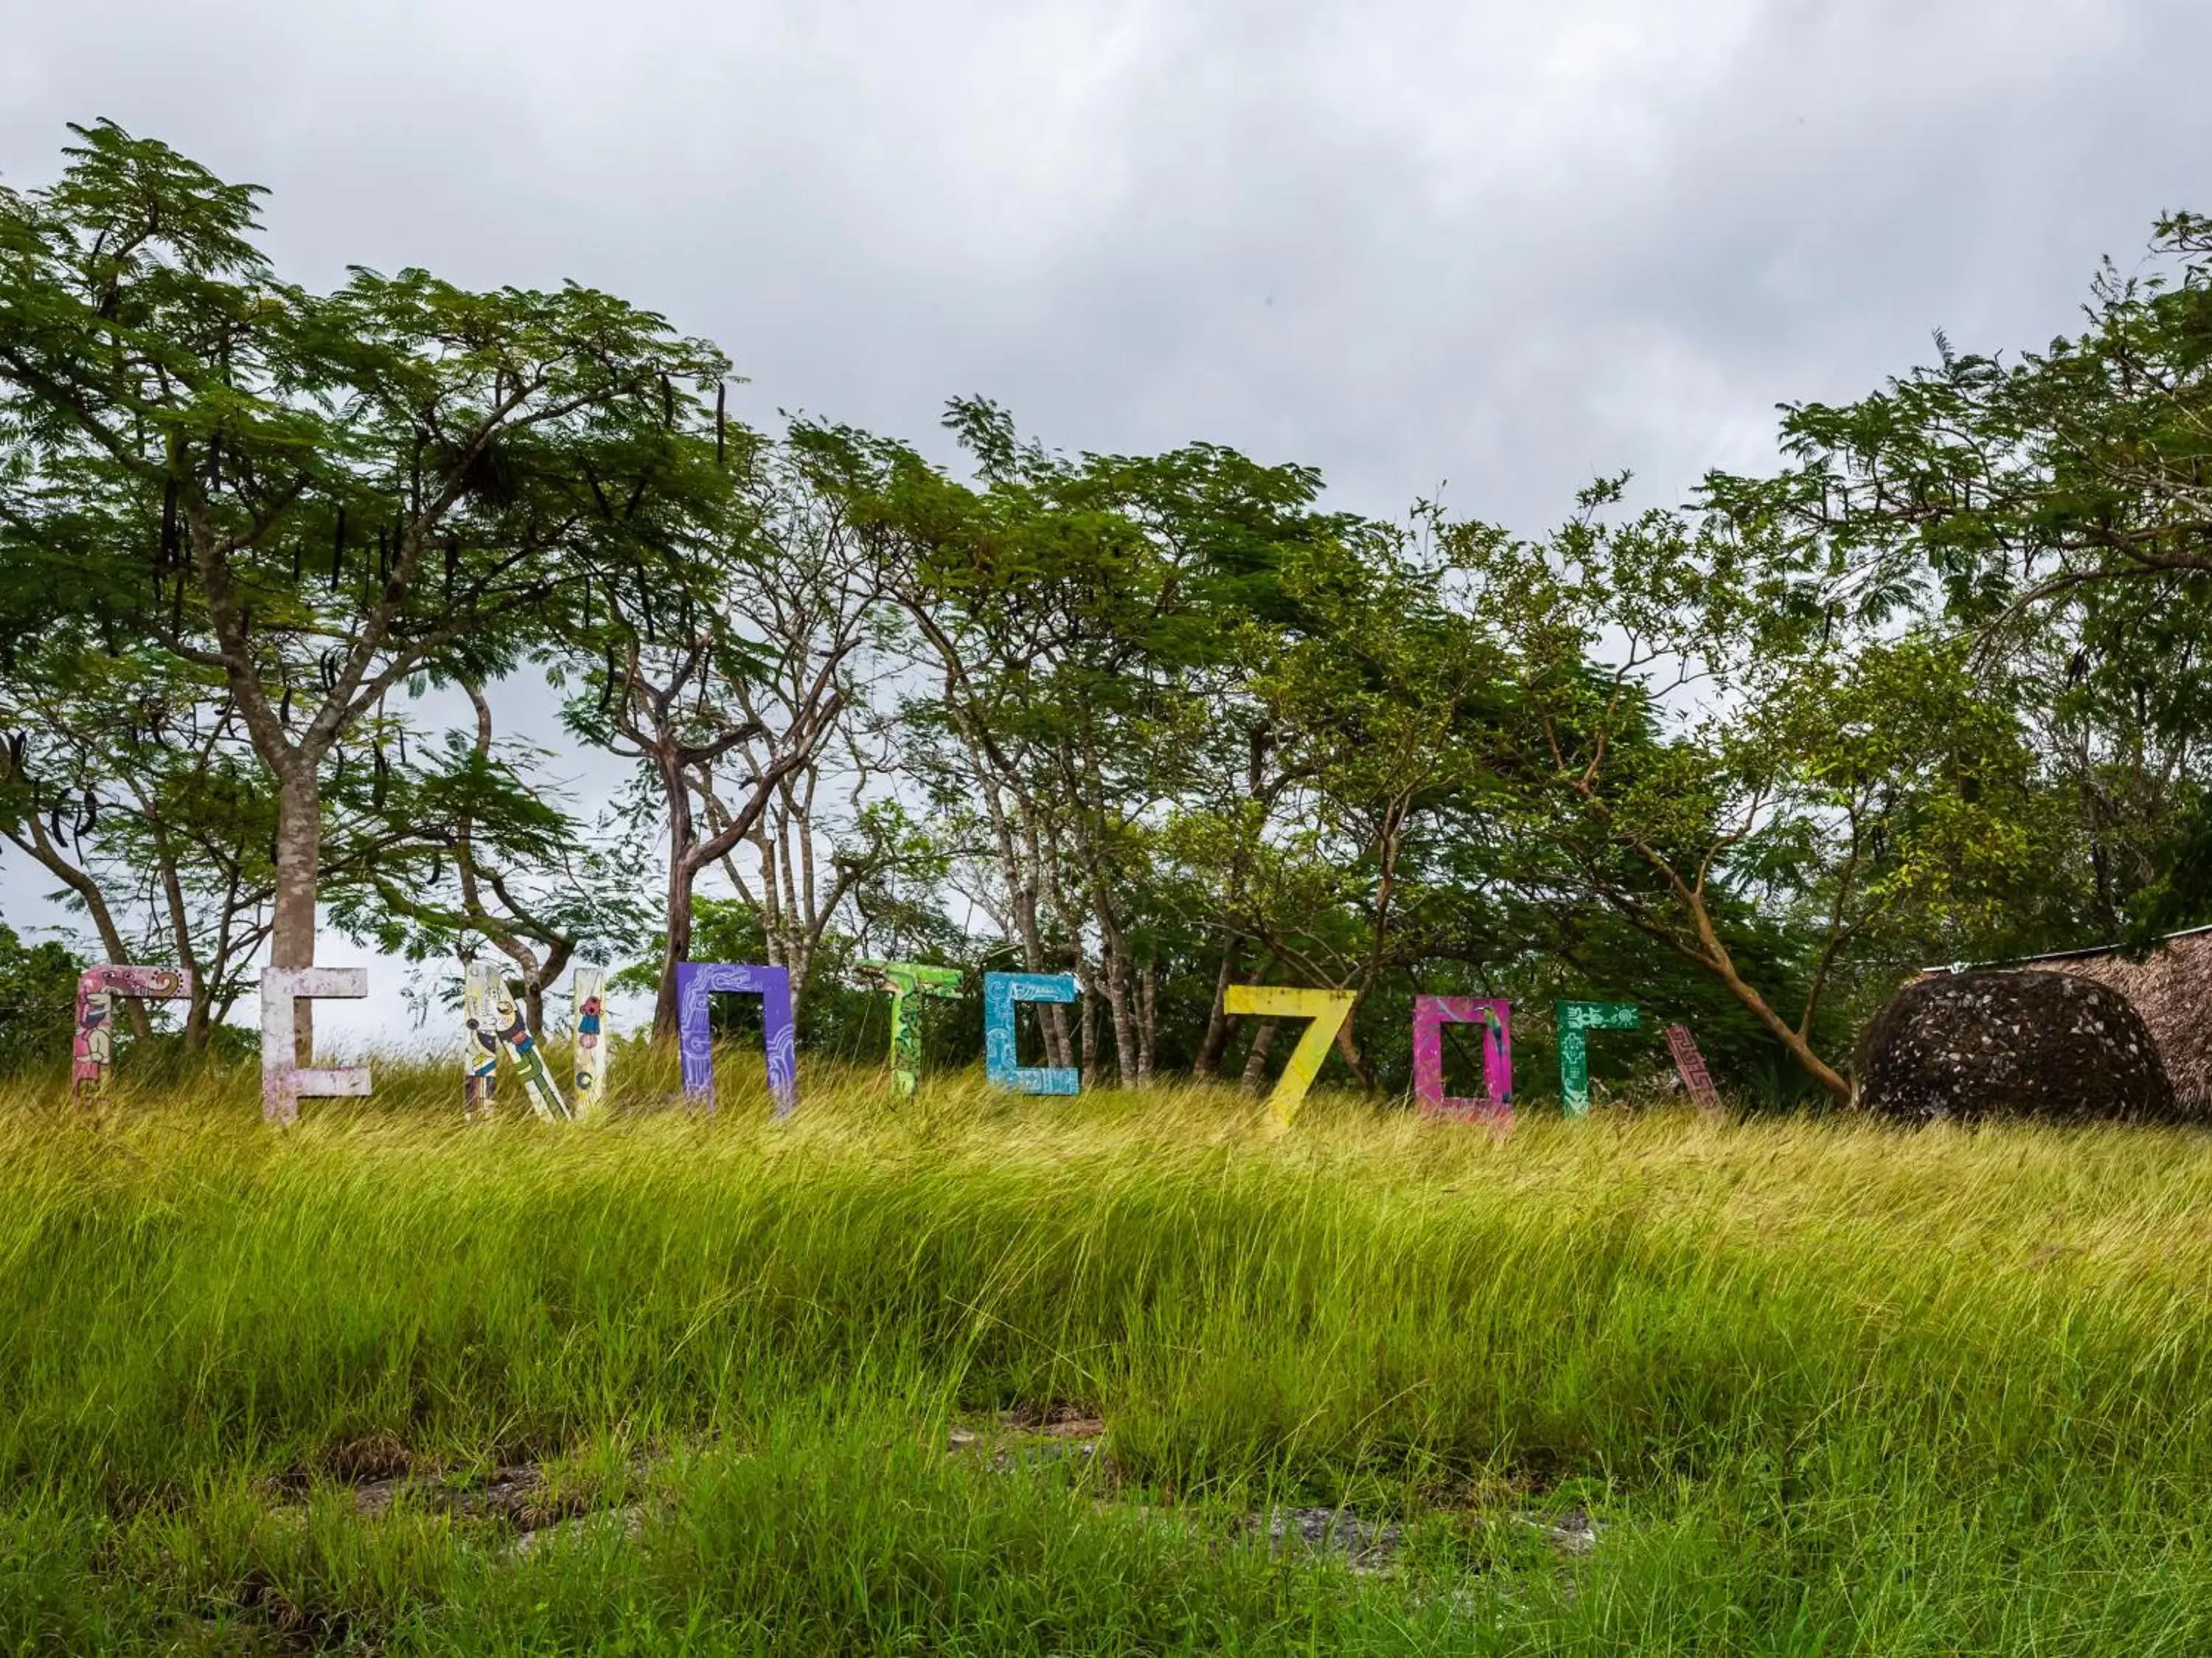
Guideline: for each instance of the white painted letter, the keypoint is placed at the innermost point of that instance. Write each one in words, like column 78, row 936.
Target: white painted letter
column 282, row 1081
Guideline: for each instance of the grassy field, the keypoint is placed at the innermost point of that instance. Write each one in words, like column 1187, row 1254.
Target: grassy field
column 982, row 1374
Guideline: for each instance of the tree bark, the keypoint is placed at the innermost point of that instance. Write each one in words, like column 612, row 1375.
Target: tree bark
column 298, row 855
column 1256, row 1063
column 683, row 836
column 1219, row 1022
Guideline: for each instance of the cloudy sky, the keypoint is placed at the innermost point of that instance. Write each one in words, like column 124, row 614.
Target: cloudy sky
column 1486, row 246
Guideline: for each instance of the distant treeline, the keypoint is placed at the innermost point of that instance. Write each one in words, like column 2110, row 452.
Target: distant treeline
column 1931, row 692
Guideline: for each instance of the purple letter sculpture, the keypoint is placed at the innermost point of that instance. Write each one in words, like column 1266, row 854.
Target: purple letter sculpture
column 1430, row 1015
column 93, row 1049
column 283, row 1081
column 696, row 981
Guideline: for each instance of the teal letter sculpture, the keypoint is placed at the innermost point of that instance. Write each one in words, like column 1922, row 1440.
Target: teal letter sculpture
column 1000, row 992
column 1575, row 1018
column 908, row 982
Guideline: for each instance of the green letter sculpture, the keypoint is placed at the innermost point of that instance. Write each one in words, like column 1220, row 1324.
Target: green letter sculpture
column 908, row 982
column 1575, row 1018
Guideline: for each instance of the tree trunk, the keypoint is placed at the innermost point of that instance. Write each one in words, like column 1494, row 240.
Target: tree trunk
column 1715, row 957
column 683, row 836
column 1148, row 991
column 678, row 947
column 1256, row 1063
column 1219, row 1022
column 299, row 856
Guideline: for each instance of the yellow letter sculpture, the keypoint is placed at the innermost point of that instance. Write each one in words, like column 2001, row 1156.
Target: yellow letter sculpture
column 1325, row 1008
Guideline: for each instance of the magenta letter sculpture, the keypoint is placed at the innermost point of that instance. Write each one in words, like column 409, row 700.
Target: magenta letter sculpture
column 282, row 1081
column 696, row 981
column 1690, row 1066
column 1430, row 1015
column 92, row 1051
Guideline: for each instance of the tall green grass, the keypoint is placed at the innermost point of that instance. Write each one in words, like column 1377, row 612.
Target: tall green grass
column 1826, row 1388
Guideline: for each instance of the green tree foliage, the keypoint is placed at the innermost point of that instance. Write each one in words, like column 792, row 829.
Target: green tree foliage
column 2058, row 504
column 316, row 497
column 38, row 1004
column 1169, row 723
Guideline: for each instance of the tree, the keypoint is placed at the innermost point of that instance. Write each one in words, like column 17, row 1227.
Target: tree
column 1378, row 705
column 318, row 498
column 1081, row 618
column 480, row 851
column 2058, row 504
column 1745, row 754
column 754, row 660
column 38, row 1003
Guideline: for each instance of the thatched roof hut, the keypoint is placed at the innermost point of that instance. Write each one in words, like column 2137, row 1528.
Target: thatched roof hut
column 2171, row 989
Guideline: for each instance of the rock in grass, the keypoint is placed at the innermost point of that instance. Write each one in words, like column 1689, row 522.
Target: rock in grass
column 2013, row 1044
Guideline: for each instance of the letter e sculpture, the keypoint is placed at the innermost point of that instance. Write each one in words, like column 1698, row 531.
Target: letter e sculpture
column 282, row 1081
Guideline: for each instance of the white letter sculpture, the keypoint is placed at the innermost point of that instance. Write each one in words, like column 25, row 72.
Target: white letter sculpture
column 282, row 1081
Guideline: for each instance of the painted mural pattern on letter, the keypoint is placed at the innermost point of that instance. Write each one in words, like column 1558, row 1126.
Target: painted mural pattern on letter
column 696, row 982
column 1430, row 1015
column 1575, row 1018
column 1000, row 992
column 92, row 1051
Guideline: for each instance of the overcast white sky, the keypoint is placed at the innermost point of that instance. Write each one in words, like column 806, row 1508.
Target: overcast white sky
column 1493, row 246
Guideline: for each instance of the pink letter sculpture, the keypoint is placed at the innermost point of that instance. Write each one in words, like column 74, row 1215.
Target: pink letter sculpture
column 1690, row 1065
column 283, row 1081
column 1430, row 1015
column 93, row 1049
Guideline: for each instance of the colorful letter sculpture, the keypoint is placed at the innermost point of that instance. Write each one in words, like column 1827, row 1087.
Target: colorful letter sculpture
column 696, row 983
column 589, row 1043
column 480, row 1059
column 282, row 1081
column 1690, row 1066
column 1430, row 1015
column 908, row 982
column 495, row 1023
column 1328, row 1009
column 1575, row 1018
column 92, row 1051
column 1000, row 992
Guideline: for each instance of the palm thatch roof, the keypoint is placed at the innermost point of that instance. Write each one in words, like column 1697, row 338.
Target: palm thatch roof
column 2171, row 989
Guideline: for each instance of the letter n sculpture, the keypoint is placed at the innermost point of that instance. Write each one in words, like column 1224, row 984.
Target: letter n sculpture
column 92, row 1052
column 495, row 1024
column 908, row 982
column 1430, row 1015
column 1000, row 992
column 589, row 1045
column 696, row 982
column 1328, row 1009
column 1575, row 1018
column 282, row 1081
